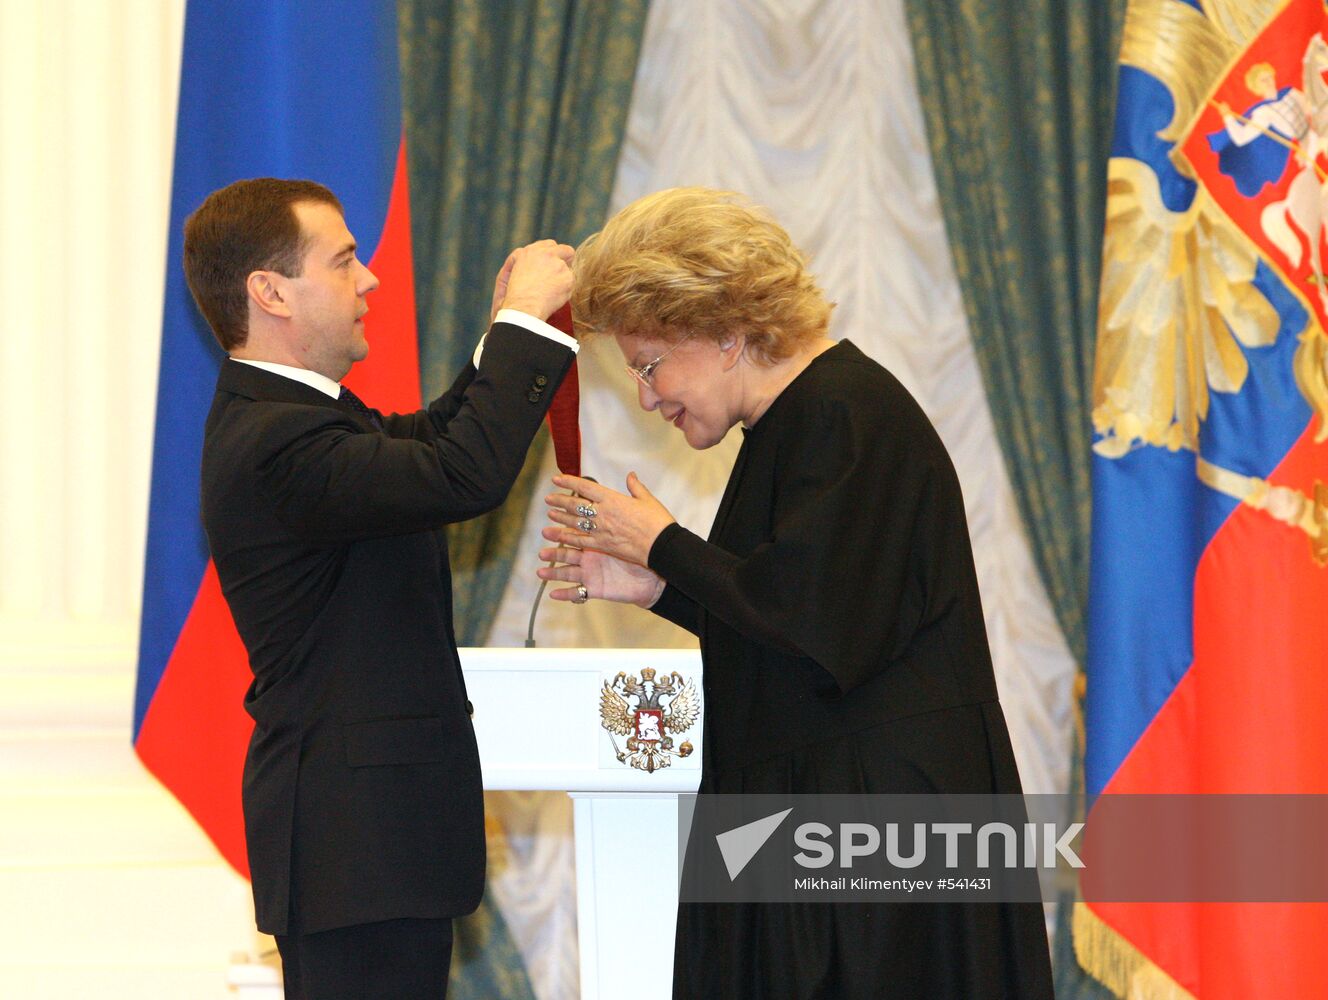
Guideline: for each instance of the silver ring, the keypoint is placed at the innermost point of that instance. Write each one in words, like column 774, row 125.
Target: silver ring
column 582, row 595
column 585, row 524
column 585, row 510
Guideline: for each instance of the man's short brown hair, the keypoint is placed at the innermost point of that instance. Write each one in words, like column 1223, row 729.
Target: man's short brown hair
column 244, row 227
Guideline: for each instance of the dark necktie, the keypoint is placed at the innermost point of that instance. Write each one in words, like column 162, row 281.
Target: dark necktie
column 357, row 404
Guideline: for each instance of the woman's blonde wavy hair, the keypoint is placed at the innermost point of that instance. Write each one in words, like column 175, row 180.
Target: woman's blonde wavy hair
column 698, row 261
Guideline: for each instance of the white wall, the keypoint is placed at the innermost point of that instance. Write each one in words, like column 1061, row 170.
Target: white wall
column 87, row 109
column 107, row 887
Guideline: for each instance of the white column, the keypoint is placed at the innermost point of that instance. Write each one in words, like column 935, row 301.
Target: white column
column 87, row 115
column 626, row 893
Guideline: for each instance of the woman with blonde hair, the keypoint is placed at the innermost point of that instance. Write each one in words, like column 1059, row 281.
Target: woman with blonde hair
column 835, row 599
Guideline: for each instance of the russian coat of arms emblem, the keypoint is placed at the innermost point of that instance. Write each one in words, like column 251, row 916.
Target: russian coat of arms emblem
column 649, row 712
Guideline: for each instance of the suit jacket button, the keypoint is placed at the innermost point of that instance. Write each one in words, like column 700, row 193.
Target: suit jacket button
column 470, row 709
column 541, row 381
column 534, row 395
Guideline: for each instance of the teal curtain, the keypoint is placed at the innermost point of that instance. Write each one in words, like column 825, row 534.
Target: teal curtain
column 485, row 960
column 514, row 114
column 1019, row 97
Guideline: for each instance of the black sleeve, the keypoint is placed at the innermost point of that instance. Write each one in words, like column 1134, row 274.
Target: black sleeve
column 328, row 480
column 675, row 606
column 839, row 580
column 424, row 425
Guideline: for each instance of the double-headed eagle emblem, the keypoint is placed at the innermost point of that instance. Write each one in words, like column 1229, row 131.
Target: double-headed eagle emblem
column 1179, row 305
column 649, row 713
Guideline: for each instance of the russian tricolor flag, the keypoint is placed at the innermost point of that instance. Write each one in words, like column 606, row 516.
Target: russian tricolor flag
column 301, row 88
column 1208, row 618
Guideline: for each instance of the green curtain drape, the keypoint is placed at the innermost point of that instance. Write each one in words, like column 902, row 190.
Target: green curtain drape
column 1019, row 99
column 514, row 114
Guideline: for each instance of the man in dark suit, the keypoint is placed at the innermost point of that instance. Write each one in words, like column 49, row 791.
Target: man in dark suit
column 362, row 800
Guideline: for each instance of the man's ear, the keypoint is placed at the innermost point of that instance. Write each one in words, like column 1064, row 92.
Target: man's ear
column 264, row 290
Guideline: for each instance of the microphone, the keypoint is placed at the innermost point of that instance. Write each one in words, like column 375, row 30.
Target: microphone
column 539, row 595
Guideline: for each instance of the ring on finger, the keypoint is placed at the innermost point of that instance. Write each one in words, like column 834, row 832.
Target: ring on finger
column 582, row 595
column 585, row 510
column 585, row 524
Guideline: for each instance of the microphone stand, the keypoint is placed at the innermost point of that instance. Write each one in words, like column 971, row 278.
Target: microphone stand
column 534, row 608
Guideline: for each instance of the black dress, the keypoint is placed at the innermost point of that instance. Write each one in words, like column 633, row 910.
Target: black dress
column 837, row 597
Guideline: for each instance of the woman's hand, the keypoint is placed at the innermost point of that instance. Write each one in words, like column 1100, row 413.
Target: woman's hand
column 601, row 574
column 603, row 519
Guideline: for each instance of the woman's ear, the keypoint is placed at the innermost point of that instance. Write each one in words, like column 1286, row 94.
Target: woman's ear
column 730, row 350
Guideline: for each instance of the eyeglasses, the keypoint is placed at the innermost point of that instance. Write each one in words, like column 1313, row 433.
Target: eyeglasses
column 646, row 372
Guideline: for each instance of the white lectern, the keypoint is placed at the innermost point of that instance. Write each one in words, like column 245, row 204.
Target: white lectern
column 620, row 731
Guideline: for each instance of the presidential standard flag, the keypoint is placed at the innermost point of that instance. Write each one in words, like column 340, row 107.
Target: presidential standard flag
column 1208, row 619
column 301, row 88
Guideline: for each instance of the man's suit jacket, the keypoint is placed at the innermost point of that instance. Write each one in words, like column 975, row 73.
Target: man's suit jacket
column 362, row 796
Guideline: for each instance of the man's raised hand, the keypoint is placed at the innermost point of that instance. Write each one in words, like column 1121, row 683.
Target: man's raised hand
column 535, row 279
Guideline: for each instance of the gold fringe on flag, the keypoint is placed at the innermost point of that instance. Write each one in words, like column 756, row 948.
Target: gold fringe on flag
column 1117, row 964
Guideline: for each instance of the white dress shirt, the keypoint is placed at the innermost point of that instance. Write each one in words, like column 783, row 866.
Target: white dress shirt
column 316, row 379
column 532, row 324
